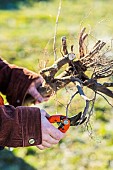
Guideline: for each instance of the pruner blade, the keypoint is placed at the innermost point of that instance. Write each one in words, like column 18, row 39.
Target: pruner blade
column 76, row 119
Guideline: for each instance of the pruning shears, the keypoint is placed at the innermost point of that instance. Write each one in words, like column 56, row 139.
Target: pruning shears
column 64, row 122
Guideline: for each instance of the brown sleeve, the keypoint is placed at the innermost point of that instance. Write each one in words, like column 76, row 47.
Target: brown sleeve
column 20, row 126
column 14, row 82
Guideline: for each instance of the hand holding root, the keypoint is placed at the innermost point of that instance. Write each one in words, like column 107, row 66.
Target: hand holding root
column 32, row 90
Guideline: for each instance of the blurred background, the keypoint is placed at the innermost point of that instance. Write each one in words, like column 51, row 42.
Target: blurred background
column 26, row 39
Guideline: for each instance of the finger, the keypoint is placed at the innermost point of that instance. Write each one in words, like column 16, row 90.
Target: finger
column 49, row 139
column 46, row 98
column 55, row 133
column 46, row 144
column 41, row 99
column 41, row 147
column 39, row 81
column 37, row 96
column 44, row 113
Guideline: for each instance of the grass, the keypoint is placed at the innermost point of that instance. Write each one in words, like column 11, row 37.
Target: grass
column 26, row 39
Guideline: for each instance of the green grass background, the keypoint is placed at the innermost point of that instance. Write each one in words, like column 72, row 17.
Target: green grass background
column 26, row 39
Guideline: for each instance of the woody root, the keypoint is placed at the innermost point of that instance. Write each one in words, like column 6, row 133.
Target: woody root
column 100, row 64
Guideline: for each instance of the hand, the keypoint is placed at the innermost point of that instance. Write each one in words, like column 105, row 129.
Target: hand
column 32, row 90
column 50, row 134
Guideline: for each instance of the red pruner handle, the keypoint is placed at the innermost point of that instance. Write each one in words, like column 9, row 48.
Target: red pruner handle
column 64, row 123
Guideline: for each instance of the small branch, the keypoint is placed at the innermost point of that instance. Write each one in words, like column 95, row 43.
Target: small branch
column 54, row 42
column 108, row 84
column 95, row 86
column 85, row 110
column 88, row 58
column 57, row 65
column 78, row 85
column 64, row 45
column 82, row 38
column 70, row 102
column 105, row 99
column 91, row 110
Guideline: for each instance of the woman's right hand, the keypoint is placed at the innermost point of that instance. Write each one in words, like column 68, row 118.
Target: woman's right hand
column 50, row 134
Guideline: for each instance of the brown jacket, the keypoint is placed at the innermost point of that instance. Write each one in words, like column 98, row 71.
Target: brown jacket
column 19, row 125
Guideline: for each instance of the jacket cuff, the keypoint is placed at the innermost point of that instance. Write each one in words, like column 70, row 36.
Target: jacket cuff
column 19, row 84
column 31, row 126
column 22, row 126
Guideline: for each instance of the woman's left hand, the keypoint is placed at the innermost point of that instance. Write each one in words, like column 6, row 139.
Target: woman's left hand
column 32, row 90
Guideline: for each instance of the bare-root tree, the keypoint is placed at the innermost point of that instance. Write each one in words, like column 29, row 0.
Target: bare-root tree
column 75, row 72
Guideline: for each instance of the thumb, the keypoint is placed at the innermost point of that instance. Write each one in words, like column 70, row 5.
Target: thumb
column 37, row 96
